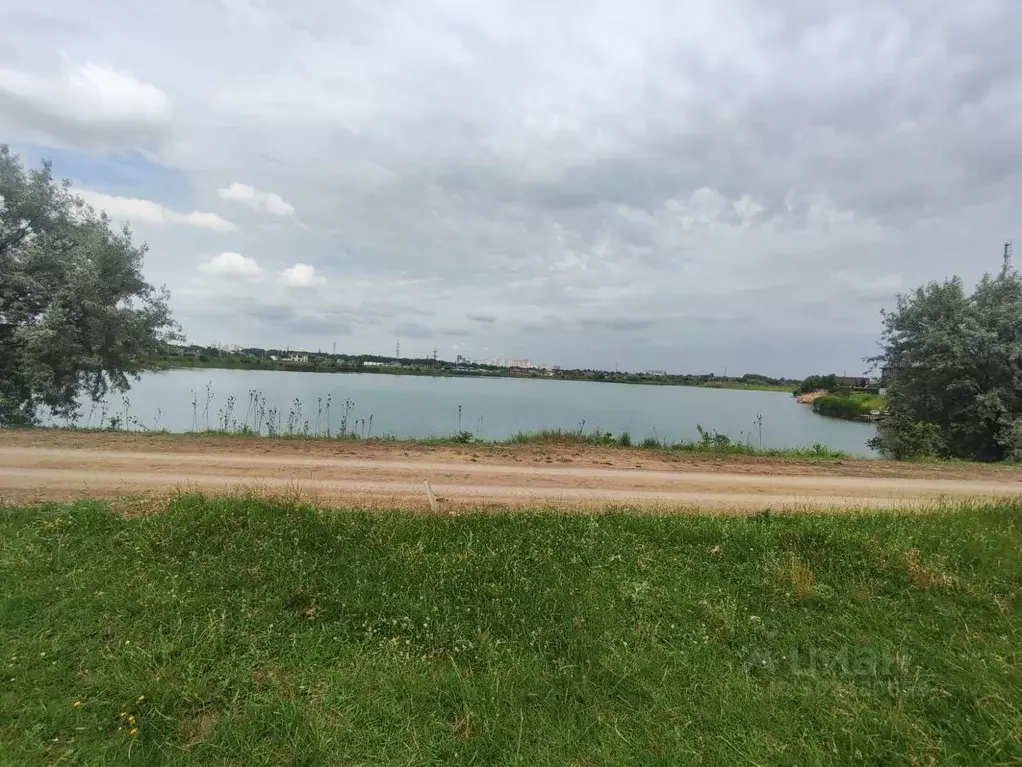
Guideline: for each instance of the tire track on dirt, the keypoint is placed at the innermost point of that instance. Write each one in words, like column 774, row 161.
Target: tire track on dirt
column 30, row 473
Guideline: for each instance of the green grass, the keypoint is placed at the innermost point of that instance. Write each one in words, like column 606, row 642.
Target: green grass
column 713, row 443
column 849, row 406
column 239, row 631
column 870, row 401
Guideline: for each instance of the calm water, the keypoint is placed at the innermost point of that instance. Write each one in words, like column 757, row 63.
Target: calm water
column 491, row 408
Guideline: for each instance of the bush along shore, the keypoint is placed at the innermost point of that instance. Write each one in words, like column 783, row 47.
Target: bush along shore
column 853, row 406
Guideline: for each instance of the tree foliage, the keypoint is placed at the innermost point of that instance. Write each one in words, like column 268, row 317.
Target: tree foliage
column 953, row 364
column 76, row 314
column 817, row 383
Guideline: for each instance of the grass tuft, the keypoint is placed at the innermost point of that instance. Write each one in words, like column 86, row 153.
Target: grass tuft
column 802, row 579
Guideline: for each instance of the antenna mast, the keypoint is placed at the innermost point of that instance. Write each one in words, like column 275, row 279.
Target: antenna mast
column 1007, row 258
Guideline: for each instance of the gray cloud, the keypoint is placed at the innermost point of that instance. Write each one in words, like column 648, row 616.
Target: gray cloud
column 413, row 330
column 286, row 324
column 685, row 186
column 622, row 323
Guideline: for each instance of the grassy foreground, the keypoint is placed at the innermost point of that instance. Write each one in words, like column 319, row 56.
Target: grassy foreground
column 248, row 632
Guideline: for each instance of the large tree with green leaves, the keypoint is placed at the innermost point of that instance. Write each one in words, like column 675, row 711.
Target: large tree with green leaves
column 76, row 314
column 953, row 364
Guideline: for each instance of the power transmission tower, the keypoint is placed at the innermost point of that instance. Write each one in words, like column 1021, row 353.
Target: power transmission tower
column 434, row 356
column 1007, row 258
column 335, row 348
column 397, row 350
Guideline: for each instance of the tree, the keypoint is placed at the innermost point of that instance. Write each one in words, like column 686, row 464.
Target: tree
column 76, row 315
column 953, row 368
column 817, row 383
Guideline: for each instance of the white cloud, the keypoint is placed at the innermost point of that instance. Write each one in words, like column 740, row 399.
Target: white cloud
column 747, row 207
column 136, row 210
column 267, row 202
column 88, row 105
column 301, row 276
column 232, row 265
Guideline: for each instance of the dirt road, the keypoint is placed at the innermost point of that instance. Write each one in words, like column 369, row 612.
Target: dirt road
column 41, row 465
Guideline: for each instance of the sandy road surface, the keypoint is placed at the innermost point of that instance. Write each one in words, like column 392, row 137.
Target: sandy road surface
column 38, row 466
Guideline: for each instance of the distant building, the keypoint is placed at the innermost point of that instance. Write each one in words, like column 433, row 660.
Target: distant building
column 301, row 358
column 853, row 382
column 373, row 364
column 509, row 362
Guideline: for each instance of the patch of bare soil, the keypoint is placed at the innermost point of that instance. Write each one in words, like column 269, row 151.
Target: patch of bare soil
column 37, row 465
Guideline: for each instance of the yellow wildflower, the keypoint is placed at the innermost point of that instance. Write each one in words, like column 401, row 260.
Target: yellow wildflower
column 133, row 731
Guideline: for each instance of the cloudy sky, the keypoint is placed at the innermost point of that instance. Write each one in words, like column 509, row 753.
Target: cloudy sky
column 670, row 184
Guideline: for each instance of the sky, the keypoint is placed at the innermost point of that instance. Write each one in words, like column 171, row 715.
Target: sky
column 689, row 185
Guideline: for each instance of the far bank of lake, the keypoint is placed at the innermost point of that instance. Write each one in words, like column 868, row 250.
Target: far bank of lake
column 182, row 400
column 348, row 364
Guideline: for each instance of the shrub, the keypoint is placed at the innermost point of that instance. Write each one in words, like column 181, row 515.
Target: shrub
column 1011, row 440
column 713, row 439
column 902, row 438
column 838, row 407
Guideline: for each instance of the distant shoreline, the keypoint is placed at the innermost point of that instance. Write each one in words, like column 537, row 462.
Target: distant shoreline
column 449, row 371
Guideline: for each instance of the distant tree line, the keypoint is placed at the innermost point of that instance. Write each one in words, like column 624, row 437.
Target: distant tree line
column 172, row 355
column 817, row 383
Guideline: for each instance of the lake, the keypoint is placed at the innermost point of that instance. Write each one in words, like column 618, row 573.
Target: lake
column 490, row 408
